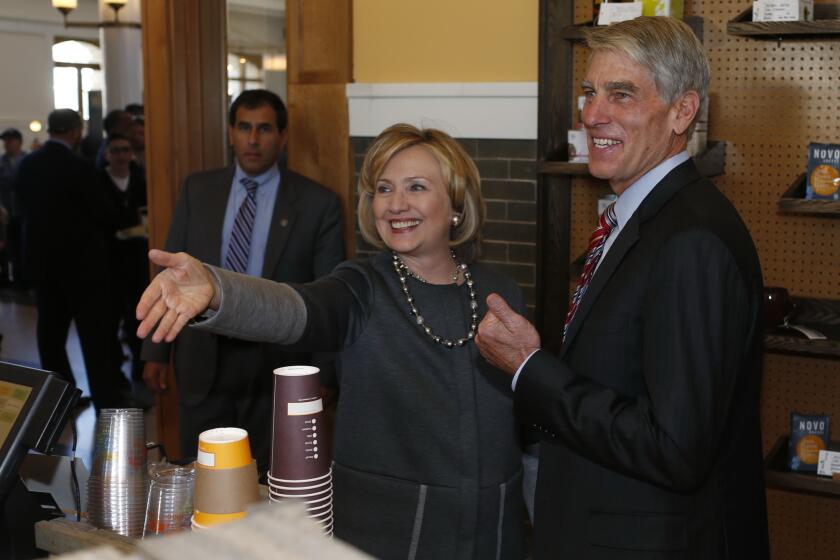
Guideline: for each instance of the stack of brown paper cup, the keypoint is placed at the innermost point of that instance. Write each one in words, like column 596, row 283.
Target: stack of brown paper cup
column 300, row 463
column 226, row 477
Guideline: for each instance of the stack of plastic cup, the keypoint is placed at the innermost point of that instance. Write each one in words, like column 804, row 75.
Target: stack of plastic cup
column 117, row 482
column 226, row 477
column 169, row 506
column 300, row 463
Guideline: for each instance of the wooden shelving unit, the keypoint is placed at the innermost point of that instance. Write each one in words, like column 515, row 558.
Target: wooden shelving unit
column 777, row 474
column 825, row 24
column 577, row 33
column 822, row 315
column 794, row 201
column 710, row 163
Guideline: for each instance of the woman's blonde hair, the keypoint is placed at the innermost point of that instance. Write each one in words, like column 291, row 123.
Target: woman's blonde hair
column 458, row 170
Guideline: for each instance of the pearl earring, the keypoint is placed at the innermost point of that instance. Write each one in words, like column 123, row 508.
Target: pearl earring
column 456, row 220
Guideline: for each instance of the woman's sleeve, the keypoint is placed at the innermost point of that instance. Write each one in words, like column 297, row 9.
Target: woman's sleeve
column 316, row 316
column 255, row 309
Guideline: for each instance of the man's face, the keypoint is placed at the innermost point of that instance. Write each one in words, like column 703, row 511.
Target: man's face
column 11, row 146
column 255, row 140
column 118, row 154
column 630, row 128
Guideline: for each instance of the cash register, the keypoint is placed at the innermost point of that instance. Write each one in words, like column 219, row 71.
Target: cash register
column 34, row 408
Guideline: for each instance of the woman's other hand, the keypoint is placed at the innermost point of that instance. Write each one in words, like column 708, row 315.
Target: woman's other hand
column 181, row 291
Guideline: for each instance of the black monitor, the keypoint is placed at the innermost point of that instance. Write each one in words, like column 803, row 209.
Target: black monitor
column 34, row 407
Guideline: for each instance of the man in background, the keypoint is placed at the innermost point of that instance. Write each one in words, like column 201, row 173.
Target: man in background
column 259, row 219
column 67, row 215
column 10, row 257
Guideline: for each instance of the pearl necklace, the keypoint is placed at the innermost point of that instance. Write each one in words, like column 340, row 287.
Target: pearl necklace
column 403, row 272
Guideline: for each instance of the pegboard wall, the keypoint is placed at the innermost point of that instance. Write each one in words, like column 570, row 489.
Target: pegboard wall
column 768, row 100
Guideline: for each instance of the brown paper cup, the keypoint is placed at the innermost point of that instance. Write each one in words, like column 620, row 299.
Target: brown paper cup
column 298, row 448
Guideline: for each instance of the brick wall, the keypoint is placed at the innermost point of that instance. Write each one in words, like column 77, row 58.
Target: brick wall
column 509, row 185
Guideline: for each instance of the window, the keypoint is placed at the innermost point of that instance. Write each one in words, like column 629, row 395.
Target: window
column 244, row 72
column 76, row 71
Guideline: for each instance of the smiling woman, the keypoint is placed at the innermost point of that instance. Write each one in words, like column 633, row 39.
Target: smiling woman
column 427, row 456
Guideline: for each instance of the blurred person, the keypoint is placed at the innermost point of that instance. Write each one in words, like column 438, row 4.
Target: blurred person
column 67, row 215
column 650, row 413
column 259, row 219
column 134, row 109
column 125, row 182
column 427, row 457
column 137, row 137
column 115, row 122
column 12, row 270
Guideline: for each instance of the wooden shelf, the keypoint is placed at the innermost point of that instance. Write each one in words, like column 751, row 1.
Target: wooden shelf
column 577, row 33
column 820, row 314
column 710, row 163
column 825, row 24
column 794, row 201
column 777, row 474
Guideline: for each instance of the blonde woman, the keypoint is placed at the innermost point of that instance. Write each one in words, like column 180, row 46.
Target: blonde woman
column 427, row 453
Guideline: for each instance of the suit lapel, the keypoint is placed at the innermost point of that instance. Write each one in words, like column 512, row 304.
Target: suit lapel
column 626, row 239
column 217, row 200
column 282, row 221
column 679, row 177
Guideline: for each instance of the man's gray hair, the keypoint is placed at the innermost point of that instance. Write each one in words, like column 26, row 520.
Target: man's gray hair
column 667, row 47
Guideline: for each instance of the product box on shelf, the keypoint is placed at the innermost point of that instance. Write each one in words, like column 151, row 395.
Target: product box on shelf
column 673, row 8
column 823, row 177
column 783, row 10
column 808, row 436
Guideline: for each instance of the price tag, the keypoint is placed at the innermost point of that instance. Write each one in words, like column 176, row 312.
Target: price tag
column 613, row 13
column 829, row 463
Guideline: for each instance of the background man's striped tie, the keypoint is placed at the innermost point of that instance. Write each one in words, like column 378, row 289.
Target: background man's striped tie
column 240, row 238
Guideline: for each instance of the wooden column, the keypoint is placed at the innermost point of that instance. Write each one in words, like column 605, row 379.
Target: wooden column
column 553, row 190
column 184, row 97
column 320, row 63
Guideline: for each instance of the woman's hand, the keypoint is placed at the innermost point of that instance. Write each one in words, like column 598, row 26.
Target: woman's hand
column 181, row 291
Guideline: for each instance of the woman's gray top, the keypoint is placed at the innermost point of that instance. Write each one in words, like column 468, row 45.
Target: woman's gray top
column 427, row 452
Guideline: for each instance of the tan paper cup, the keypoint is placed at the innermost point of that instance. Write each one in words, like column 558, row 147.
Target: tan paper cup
column 224, row 448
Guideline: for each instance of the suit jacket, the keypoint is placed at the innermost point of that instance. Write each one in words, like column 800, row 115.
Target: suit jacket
column 132, row 200
column 67, row 214
column 304, row 242
column 650, row 415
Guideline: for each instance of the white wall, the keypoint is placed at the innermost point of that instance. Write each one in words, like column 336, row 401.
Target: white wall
column 28, row 29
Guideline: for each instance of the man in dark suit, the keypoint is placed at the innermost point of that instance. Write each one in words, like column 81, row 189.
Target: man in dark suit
column 293, row 228
column 650, row 414
column 66, row 214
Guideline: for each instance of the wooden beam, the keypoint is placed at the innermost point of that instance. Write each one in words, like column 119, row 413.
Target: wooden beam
column 320, row 64
column 184, row 83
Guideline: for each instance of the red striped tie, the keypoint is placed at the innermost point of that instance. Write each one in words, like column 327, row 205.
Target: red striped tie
column 596, row 247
